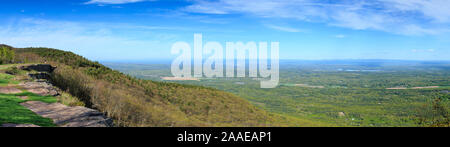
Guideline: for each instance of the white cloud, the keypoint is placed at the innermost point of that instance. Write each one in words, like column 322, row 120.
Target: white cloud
column 412, row 29
column 283, row 28
column 95, row 40
column 112, row 1
column 340, row 36
column 407, row 17
column 422, row 50
column 263, row 8
column 437, row 10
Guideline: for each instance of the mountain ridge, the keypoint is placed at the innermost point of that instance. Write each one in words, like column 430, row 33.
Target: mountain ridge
column 135, row 102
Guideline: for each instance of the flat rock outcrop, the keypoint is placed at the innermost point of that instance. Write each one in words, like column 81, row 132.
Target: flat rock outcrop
column 40, row 88
column 40, row 76
column 9, row 90
column 39, row 67
column 66, row 116
column 19, row 125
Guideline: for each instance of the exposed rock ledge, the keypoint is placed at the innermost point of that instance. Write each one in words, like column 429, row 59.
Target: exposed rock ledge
column 40, row 88
column 19, row 125
column 62, row 115
column 65, row 116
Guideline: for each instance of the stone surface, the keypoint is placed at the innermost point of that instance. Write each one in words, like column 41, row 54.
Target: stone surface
column 19, row 125
column 9, row 90
column 40, row 88
column 41, row 75
column 66, row 116
column 23, row 97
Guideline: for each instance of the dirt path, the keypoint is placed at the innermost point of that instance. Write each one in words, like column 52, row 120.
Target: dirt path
column 66, row 116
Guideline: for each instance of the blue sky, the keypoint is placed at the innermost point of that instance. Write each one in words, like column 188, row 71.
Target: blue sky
column 306, row 29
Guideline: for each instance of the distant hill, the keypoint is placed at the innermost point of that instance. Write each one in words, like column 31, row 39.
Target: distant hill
column 134, row 102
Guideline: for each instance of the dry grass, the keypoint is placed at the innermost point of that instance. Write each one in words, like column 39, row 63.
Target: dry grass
column 69, row 100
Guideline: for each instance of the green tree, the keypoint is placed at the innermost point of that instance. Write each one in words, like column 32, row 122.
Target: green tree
column 6, row 55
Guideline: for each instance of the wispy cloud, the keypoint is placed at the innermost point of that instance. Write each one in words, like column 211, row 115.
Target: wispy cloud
column 284, row 28
column 97, row 41
column 113, row 1
column 407, row 17
column 422, row 50
column 340, row 36
column 437, row 10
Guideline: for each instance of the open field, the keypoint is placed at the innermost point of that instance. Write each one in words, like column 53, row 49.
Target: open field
column 179, row 79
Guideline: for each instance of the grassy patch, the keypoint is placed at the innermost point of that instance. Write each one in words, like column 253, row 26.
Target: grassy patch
column 35, row 97
column 6, row 79
column 12, row 112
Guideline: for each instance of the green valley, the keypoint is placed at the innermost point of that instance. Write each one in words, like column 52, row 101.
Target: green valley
column 344, row 93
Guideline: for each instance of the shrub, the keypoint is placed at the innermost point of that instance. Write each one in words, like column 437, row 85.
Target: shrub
column 67, row 99
column 12, row 70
